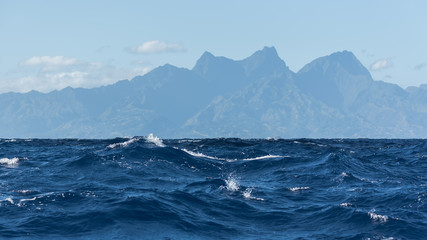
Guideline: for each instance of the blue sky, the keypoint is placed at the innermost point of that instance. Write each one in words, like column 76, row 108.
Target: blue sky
column 47, row 45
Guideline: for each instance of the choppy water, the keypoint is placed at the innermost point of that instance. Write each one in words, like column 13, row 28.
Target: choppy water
column 146, row 188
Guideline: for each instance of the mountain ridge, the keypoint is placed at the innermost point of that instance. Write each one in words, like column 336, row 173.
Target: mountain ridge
column 258, row 96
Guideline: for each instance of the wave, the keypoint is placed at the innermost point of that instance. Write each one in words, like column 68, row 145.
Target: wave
column 264, row 157
column 201, row 155
column 248, row 195
column 123, row 144
column 197, row 154
column 295, row 189
column 9, row 162
column 213, row 188
column 149, row 138
column 377, row 217
column 157, row 141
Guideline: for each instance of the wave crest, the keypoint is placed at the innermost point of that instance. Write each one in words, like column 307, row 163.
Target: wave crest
column 157, row 141
column 9, row 162
column 123, row 144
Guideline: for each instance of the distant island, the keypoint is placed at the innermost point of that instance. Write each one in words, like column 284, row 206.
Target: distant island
column 257, row 97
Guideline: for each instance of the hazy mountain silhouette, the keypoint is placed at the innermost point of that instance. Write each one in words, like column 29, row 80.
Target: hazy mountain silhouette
column 333, row 96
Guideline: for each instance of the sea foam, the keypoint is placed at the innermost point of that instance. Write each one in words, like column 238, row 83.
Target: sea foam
column 232, row 184
column 247, row 194
column 263, row 157
column 9, row 162
column 294, row 189
column 197, row 154
column 157, row 141
column 377, row 217
column 123, row 144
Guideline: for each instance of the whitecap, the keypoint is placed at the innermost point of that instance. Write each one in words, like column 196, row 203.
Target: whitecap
column 197, row 154
column 123, row 144
column 9, row 200
column 377, row 217
column 25, row 191
column 25, row 200
column 232, row 184
column 9, row 162
column 189, row 141
column 157, row 141
column 248, row 195
column 294, row 189
column 263, row 157
column 342, row 176
column 346, row 204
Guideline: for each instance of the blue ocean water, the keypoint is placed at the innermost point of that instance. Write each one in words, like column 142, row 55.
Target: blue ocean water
column 147, row 188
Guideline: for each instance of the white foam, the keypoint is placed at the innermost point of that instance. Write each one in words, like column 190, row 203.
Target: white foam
column 263, row 157
column 294, row 189
column 9, row 200
column 345, row 204
column 247, row 194
column 25, row 191
column 123, row 144
column 197, row 154
column 9, row 162
column 157, row 141
column 232, row 184
column 377, row 217
column 25, row 200
column 189, row 140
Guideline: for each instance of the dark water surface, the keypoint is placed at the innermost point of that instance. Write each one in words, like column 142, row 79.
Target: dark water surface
column 145, row 188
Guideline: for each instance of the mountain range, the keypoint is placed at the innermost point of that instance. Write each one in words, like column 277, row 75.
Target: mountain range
column 257, row 97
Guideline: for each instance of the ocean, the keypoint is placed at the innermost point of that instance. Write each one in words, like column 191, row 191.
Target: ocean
column 224, row 188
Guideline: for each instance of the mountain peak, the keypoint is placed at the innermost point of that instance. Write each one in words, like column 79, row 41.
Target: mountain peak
column 262, row 62
column 336, row 79
column 344, row 59
column 344, row 56
column 209, row 63
column 203, row 61
column 267, row 52
column 206, row 55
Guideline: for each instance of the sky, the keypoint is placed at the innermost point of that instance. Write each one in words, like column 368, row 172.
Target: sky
column 49, row 45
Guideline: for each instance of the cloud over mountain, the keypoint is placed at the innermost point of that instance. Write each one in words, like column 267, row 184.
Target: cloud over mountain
column 48, row 73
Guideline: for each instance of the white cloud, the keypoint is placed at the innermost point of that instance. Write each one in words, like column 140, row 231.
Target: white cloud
column 140, row 71
column 381, row 64
column 65, row 79
column 156, row 46
column 50, row 61
column 54, row 73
